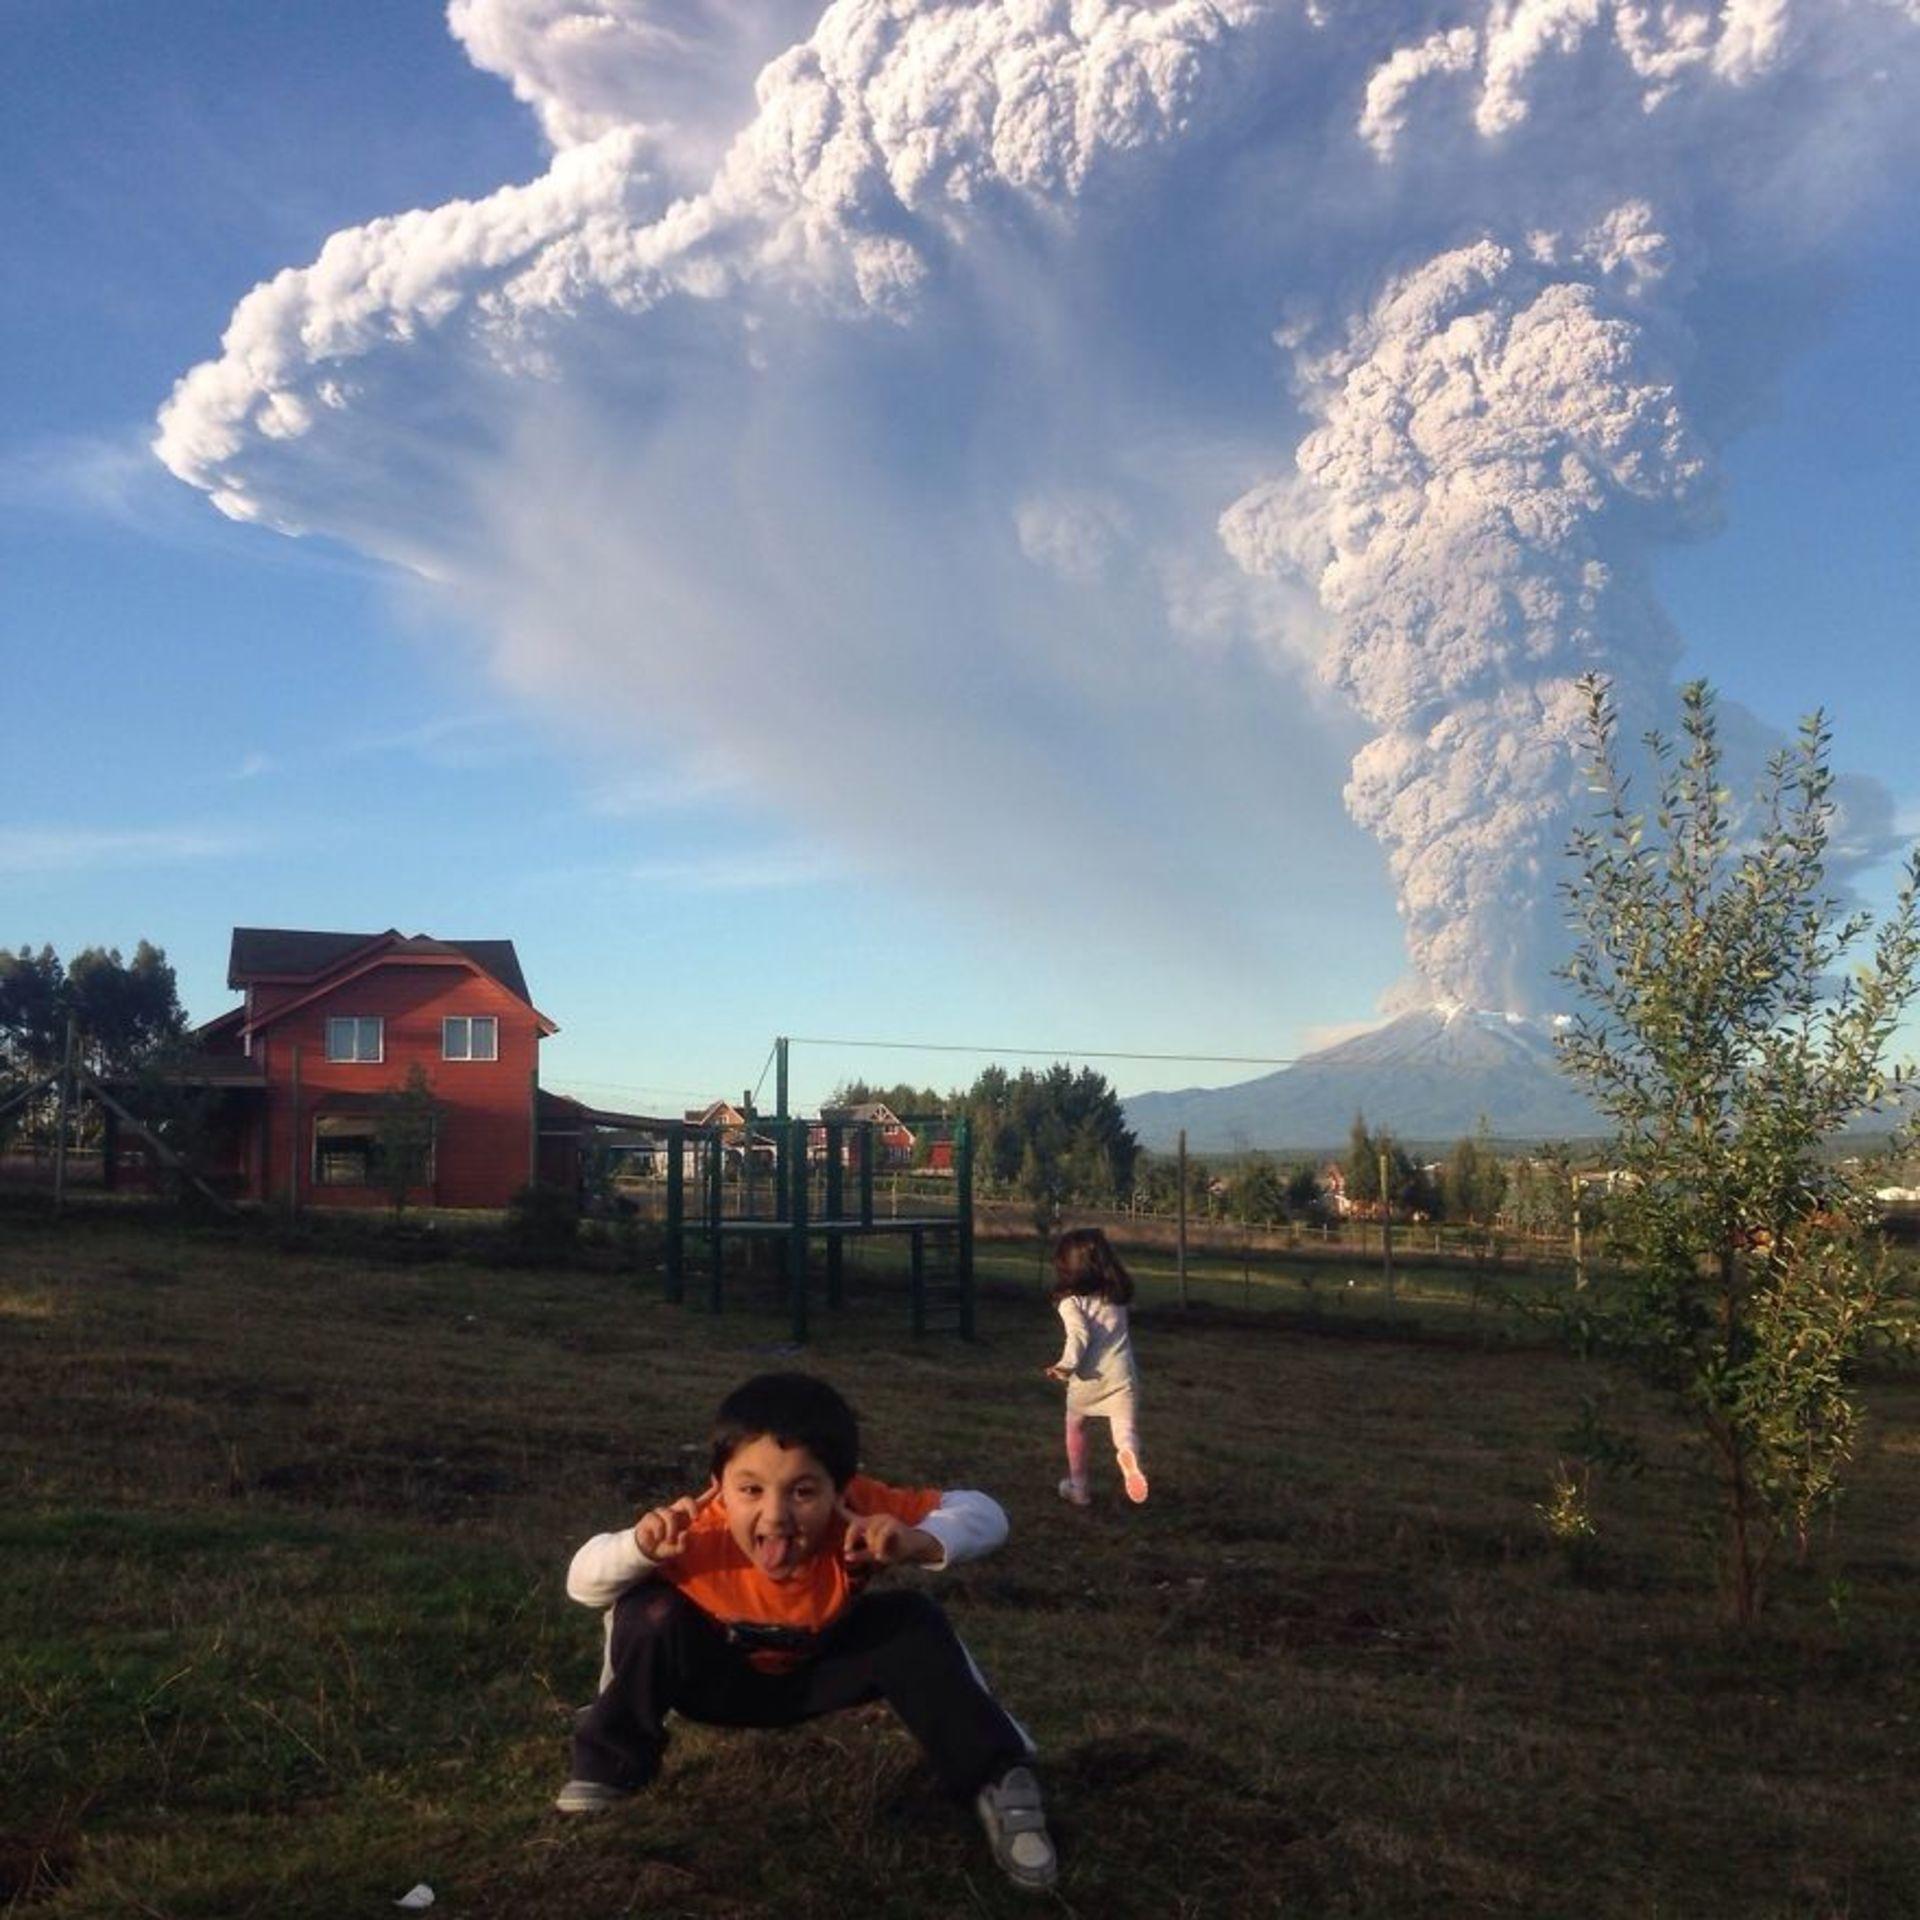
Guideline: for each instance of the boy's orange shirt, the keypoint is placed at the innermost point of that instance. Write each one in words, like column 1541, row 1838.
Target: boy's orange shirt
column 724, row 1584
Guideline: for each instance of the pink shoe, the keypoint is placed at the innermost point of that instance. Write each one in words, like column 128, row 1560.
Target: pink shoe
column 1136, row 1481
column 1076, row 1495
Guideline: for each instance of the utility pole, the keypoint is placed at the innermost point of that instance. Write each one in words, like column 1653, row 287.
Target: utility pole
column 780, row 1077
column 1183, row 1216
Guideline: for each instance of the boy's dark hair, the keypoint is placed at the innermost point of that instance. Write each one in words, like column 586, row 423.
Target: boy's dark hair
column 794, row 1409
column 1084, row 1262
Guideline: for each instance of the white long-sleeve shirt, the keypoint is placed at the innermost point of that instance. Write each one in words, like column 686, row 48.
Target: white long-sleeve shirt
column 1098, row 1354
column 966, row 1524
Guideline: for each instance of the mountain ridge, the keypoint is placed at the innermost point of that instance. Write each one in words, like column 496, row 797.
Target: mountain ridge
column 1432, row 1074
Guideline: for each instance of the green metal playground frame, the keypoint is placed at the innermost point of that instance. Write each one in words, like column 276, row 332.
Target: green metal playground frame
column 934, row 1295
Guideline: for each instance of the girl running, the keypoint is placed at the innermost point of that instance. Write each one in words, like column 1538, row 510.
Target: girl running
column 1091, row 1290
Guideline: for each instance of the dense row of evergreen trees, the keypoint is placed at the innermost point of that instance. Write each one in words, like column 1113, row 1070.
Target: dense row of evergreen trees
column 1055, row 1135
column 123, row 1011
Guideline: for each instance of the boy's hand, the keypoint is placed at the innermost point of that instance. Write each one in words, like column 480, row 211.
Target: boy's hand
column 661, row 1532
column 1057, row 1373
column 876, row 1540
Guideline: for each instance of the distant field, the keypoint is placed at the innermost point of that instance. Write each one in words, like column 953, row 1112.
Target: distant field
column 282, row 1630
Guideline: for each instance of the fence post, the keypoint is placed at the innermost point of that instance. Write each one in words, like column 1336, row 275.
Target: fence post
column 1579, row 1249
column 1183, row 1217
column 1386, row 1230
column 64, row 1108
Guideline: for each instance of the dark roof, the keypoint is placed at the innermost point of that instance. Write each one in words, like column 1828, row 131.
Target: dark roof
column 287, row 953
column 210, row 1070
column 560, row 1112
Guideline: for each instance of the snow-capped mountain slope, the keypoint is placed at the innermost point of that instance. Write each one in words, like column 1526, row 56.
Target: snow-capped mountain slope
column 1426, row 1076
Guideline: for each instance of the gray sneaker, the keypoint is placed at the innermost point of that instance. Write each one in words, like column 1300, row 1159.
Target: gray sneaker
column 590, row 1796
column 1015, row 1818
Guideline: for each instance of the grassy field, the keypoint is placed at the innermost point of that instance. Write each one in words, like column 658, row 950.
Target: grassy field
column 282, row 1629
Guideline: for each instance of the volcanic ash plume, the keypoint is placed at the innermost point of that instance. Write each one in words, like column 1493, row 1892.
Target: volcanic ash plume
column 890, row 386
column 1499, row 437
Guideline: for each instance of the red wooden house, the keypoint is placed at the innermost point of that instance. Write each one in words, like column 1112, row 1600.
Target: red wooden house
column 893, row 1139
column 331, row 1025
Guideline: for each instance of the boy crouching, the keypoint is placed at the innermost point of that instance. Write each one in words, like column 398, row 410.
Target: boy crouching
column 746, row 1606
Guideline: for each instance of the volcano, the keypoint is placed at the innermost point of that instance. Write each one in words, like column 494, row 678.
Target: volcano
column 1429, row 1076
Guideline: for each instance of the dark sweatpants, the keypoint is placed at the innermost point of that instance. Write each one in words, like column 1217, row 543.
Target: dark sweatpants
column 894, row 1646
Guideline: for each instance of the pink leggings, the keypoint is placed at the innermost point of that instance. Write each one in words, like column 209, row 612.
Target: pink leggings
column 1117, row 1411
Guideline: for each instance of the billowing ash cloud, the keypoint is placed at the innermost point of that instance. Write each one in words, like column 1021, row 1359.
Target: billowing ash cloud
column 1487, row 426
column 1050, row 393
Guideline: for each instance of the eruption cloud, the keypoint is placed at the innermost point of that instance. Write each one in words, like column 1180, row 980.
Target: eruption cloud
column 1131, row 409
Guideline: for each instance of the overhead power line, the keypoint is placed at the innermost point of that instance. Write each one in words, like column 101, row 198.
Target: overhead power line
column 628, row 1086
column 1051, row 1053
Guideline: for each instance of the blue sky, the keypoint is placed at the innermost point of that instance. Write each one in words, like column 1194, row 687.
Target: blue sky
column 210, row 724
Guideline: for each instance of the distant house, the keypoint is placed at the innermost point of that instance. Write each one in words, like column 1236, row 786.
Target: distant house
column 330, row 1026
column 737, row 1140
column 893, row 1138
column 1333, row 1190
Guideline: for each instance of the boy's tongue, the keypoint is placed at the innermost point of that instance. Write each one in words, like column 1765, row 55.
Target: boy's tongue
column 776, row 1554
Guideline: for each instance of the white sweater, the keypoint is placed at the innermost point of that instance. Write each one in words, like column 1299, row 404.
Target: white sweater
column 1098, row 1355
column 968, row 1525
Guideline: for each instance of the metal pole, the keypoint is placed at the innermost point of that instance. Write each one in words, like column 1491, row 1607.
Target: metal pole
column 835, row 1207
column 676, row 1213
column 716, row 1174
column 1183, row 1216
column 797, row 1232
column 746, row 1167
column 780, row 1077
column 64, row 1108
column 963, row 1222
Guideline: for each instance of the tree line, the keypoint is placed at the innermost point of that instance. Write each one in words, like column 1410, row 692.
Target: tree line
column 122, row 1012
column 1054, row 1135
column 1058, row 1137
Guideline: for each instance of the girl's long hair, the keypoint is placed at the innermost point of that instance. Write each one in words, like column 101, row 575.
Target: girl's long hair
column 1084, row 1262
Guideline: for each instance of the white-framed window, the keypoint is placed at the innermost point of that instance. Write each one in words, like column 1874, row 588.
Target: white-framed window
column 469, row 1036
column 357, row 1040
